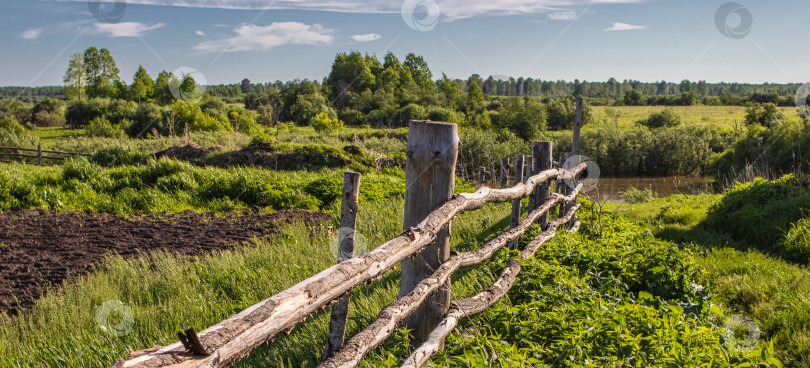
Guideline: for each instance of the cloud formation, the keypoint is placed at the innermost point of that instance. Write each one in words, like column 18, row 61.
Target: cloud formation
column 125, row 29
column 366, row 37
column 31, row 34
column 263, row 38
column 622, row 27
column 450, row 9
column 199, row 33
column 566, row 15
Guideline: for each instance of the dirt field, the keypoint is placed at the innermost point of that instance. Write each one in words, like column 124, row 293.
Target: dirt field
column 39, row 248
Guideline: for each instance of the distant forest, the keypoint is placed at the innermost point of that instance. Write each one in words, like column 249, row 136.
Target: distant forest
column 598, row 93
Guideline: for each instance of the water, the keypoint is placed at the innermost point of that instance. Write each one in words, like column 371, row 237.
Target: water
column 611, row 189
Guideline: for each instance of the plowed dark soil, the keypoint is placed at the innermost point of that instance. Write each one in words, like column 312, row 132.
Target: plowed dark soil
column 40, row 249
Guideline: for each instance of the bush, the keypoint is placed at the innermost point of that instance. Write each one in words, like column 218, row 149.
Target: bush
column 48, row 113
column 666, row 118
column 15, row 135
column 323, row 124
column 147, row 116
column 797, row 241
column 443, row 114
column 101, row 127
column 117, row 155
column 634, row 195
column 766, row 114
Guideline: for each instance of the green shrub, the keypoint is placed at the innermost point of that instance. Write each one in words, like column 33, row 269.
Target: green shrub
column 797, row 241
column 443, row 114
column 633, row 195
column 101, row 127
column 666, row 118
column 323, row 124
column 762, row 213
column 117, row 155
column 15, row 135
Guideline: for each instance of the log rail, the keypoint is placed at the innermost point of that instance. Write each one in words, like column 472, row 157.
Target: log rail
column 225, row 343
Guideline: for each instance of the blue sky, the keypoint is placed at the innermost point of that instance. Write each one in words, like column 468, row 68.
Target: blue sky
column 270, row 40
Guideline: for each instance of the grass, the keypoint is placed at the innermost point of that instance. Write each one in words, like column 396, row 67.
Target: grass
column 61, row 330
column 174, row 186
column 747, row 278
column 727, row 117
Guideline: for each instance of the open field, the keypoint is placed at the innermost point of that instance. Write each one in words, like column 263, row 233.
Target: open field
column 725, row 117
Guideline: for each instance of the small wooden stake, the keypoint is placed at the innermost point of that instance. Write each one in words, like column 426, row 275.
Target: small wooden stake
column 577, row 128
column 516, row 203
column 39, row 155
column 541, row 161
column 348, row 223
column 504, row 172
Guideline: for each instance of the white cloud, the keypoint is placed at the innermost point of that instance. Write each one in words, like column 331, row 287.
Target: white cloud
column 622, row 27
column 366, row 37
column 31, row 34
column 199, row 33
column 565, row 15
column 125, row 29
column 450, row 9
column 263, row 38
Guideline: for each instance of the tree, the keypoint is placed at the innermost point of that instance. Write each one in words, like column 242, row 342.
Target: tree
column 350, row 76
column 246, row 86
column 100, row 72
column 451, row 93
column 766, row 114
column 162, row 93
column 143, row 87
column 633, row 98
column 475, row 96
column 74, row 77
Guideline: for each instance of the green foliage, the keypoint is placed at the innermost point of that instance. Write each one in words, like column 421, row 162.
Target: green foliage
column 523, row 116
column 562, row 113
column 797, row 241
column 117, row 156
column 486, row 148
column 666, row 118
column 633, row 195
column 442, row 114
column 15, row 135
column 762, row 213
column 604, row 302
column 101, row 127
column 766, row 115
column 323, row 124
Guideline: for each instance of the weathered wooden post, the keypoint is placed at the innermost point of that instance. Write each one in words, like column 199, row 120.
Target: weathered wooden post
column 348, row 222
column 482, row 175
column 429, row 181
column 541, row 161
column 577, row 128
column 515, row 220
column 565, row 187
column 527, row 169
column 39, row 155
column 504, row 172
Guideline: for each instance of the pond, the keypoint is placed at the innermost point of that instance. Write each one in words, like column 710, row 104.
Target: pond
column 611, row 189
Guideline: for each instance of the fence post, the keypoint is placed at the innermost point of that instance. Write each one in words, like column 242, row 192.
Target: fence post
column 565, row 187
column 430, row 171
column 541, row 161
column 482, row 175
column 515, row 220
column 504, row 172
column 577, row 128
column 527, row 169
column 348, row 222
column 39, row 155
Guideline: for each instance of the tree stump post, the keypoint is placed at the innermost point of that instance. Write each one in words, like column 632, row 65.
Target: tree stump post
column 527, row 169
column 541, row 161
column 504, row 172
column 429, row 178
column 348, row 223
column 515, row 220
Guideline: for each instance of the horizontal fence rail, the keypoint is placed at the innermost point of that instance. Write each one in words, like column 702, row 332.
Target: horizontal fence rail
column 39, row 153
column 231, row 339
column 225, row 343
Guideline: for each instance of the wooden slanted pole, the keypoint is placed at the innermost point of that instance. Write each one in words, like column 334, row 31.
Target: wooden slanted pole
column 504, row 172
column 430, row 171
column 348, row 223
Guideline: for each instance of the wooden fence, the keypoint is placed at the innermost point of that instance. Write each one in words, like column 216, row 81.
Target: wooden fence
column 39, row 153
column 423, row 249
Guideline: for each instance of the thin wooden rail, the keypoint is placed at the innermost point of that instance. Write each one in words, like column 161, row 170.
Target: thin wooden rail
column 39, row 152
column 231, row 339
